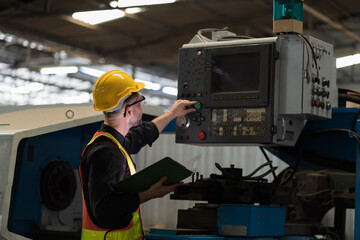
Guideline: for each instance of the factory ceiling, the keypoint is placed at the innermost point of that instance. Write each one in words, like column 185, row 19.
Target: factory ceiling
column 150, row 39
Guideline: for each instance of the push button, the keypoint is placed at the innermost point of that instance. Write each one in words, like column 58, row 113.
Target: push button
column 201, row 135
column 197, row 106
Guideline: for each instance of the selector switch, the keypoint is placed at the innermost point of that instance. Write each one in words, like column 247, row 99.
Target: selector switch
column 316, row 80
column 183, row 121
column 326, row 94
column 328, row 105
column 325, row 82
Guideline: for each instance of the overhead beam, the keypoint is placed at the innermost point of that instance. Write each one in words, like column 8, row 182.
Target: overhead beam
column 334, row 24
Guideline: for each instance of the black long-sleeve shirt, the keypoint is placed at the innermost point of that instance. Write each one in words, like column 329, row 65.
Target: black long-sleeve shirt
column 104, row 165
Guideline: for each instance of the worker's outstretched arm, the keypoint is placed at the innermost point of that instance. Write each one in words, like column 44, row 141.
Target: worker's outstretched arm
column 157, row 190
column 180, row 107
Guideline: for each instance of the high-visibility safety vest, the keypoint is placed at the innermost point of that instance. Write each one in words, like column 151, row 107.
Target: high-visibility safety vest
column 90, row 231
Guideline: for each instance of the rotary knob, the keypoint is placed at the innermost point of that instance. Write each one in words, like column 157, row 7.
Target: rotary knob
column 183, row 121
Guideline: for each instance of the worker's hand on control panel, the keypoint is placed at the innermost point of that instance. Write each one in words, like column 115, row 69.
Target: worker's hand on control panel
column 157, row 190
column 182, row 107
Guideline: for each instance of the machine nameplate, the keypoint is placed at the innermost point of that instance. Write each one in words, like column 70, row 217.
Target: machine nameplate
column 237, row 122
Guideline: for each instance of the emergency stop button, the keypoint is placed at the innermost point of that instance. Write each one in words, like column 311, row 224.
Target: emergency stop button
column 201, row 135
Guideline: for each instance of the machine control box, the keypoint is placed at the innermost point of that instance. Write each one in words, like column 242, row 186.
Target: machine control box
column 254, row 91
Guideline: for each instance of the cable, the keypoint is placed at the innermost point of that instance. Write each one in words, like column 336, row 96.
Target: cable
column 257, row 169
column 352, row 133
column 268, row 160
column 298, row 158
column 227, row 38
column 312, row 51
column 308, row 59
column 201, row 31
column 349, row 97
column 259, row 177
column 312, row 194
column 348, row 90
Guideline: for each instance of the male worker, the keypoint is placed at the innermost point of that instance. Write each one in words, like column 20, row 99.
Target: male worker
column 107, row 213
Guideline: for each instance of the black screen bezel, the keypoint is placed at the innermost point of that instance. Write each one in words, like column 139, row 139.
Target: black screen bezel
column 242, row 98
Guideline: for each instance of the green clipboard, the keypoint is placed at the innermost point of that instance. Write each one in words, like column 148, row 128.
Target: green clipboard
column 143, row 179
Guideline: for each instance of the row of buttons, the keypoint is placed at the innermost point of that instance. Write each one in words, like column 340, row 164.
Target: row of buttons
column 325, row 82
column 198, row 120
column 201, row 136
column 320, row 104
column 199, row 94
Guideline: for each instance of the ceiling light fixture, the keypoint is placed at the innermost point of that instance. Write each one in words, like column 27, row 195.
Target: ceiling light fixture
column 170, row 90
column 133, row 10
column 150, row 85
column 91, row 71
column 59, row 70
column 97, row 17
column 135, row 3
column 113, row 4
column 347, row 61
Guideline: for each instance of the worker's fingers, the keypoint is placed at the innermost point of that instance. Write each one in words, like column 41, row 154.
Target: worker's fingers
column 182, row 107
column 162, row 180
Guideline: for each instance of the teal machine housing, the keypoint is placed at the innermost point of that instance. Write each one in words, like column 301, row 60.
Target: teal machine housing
column 288, row 9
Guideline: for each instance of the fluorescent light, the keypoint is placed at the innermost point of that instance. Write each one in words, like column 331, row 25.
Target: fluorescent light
column 100, row 16
column 91, row 71
column 133, row 10
column 36, row 86
column 113, row 4
column 59, row 70
column 4, row 65
column 26, row 89
column 150, row 85
column 170, row 90
column 32, row 45
column 347, row 61
column 134, row 3
column 21, row 90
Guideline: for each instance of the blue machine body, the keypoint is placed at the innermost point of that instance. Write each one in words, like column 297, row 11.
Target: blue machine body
column 251, row 220
column 330, row 146
column 164, row 234
column 34, row 154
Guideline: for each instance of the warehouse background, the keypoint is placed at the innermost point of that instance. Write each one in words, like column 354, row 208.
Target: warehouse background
column 144, row 41
column 38, row 34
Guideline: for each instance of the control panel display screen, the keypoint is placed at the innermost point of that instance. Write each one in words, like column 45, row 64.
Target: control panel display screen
column 235, row 73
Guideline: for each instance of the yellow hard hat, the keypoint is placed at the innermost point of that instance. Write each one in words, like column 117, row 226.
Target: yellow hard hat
column 112, row 87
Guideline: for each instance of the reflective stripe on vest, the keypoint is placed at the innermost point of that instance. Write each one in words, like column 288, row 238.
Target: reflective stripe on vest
column 90, row 231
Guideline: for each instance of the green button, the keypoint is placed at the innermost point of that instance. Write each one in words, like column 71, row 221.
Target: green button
column 207, row 62
column 197, row 106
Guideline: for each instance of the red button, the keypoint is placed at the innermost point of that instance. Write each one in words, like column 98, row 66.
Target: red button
column 186, row 137
column 201, row 135
column 207, row 69
column 317, row 102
